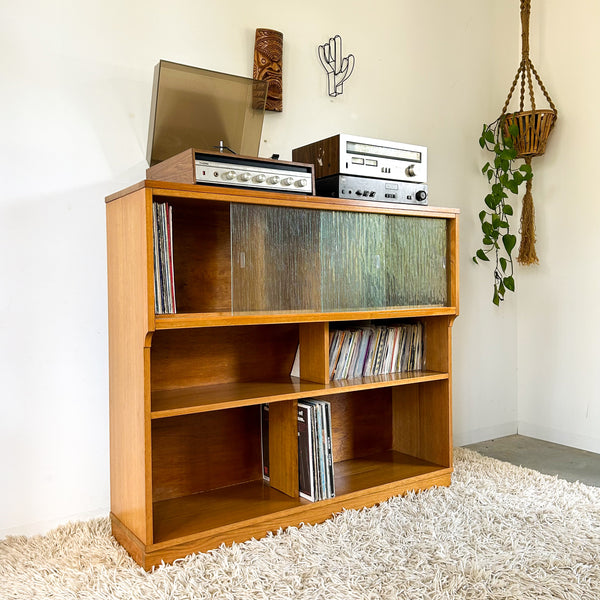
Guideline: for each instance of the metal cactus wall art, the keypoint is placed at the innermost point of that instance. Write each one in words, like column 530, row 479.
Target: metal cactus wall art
column 338, row 69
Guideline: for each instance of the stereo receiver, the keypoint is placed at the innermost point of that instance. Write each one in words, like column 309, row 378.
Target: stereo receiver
column 233, row 170
column 345, row 154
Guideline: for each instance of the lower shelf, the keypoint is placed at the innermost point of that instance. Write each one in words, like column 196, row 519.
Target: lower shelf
column 257, row 505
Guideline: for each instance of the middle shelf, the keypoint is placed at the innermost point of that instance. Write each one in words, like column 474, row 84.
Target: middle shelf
column 197, row 399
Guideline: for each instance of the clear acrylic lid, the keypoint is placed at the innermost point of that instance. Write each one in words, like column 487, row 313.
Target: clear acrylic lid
column 197, row 108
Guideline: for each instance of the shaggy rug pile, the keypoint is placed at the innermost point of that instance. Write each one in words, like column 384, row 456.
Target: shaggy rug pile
column 499, row 532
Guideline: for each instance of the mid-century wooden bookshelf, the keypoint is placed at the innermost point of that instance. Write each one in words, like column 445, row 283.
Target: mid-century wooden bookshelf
column 186, row 388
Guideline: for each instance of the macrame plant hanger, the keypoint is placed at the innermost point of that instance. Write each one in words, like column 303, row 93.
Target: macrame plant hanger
column 534, row 126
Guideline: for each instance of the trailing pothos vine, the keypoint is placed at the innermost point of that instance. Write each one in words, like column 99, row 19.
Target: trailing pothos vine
column 503, row 176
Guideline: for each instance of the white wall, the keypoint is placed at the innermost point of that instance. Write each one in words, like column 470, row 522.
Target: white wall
column 558, row 318
column 76, row 82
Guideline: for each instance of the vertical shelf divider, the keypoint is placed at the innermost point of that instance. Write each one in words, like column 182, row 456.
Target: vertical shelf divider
column 314, row 352
column 283, row 446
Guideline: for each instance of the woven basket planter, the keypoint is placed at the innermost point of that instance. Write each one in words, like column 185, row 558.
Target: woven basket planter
column 534, row 130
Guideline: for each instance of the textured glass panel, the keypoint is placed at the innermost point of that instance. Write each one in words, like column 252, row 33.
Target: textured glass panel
column 352, row 260
column 275, row 258
column 297, row 259
column 416, row 261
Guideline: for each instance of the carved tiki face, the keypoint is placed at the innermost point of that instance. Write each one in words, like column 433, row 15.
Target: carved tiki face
column 268, row 52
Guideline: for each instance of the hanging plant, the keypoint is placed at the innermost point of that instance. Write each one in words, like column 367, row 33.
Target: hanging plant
column 517, row 135
column 504, row 177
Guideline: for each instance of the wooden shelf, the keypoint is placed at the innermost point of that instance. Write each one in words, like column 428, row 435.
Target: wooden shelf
column 216, row 319
column 181, row 519
column 184, row 401
column 184, row 517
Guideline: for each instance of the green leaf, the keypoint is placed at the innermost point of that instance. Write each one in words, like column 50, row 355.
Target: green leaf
column 482, row 215
column 501, row 290
column 508, row 154
column 525, row 168
column 509, row 282
column 488, row 241
column 513, row 129
column 496, row 299
column 481, row 255
column 503, row 225
column 485, row 167
column 518, row 178
column 490, row 174
column 495, row 221
column 482, row 142
column 487, row 227
column 512, row 186
column 508, row 210
column 509, row 242
column 503, row 263
column 474, row 260
column 489, row 136
column 490, row 201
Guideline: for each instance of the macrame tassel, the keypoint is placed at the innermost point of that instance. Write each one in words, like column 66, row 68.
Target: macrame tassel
column 527, row 254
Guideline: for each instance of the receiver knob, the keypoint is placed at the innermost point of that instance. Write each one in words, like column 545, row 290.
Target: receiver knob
column 229, row 175
column 421, row 195
column 244, row 176
column 259, row 178
column 287, row 181
column 273, row 179
column 410, row 171
column 300, row 183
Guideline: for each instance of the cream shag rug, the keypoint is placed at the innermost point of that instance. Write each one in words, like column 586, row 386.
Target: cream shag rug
column 498, row 532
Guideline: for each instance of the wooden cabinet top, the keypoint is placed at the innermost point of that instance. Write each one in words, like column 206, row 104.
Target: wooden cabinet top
column 250, row 196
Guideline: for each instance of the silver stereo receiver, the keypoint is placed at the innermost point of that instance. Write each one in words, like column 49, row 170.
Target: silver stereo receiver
column 368, row 188
column 233, row 170
column 345, row 154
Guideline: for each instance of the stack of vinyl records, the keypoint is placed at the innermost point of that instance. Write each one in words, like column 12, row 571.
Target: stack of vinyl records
column 164, row 281
column 315, row 457
column 377, row 350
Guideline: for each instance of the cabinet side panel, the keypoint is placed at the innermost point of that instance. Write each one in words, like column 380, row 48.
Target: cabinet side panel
column 453, row 262
column 128, row 319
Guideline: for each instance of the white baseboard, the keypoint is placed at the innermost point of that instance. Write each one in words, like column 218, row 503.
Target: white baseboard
column 464, row 438
column 556, row 436
column 42, row 527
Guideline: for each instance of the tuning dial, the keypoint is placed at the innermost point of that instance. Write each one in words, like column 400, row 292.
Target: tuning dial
column 410, row 171
column 300, row 183
column 244, row 176
column 421, row 195
column 273, row 179
column 229, row 175
column 358, row 192
column 287, row 181
column 259, row 178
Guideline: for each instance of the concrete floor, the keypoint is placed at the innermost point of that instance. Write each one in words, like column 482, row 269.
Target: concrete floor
column 553, row 459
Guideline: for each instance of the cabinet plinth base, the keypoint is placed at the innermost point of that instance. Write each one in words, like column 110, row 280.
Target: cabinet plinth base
column 152, row 555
